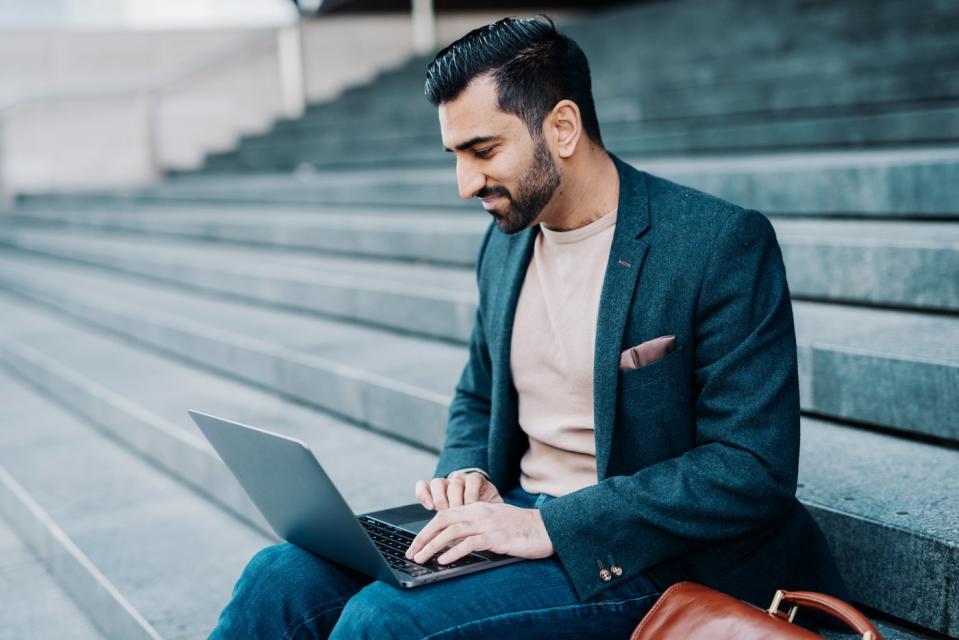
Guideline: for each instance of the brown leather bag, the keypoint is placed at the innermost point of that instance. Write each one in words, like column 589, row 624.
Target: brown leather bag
column 689, row 611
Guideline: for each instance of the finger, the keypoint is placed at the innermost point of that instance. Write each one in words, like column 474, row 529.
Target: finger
column 438, row 492
column 434, row 526
column 474, row 482
column 464, row 548
column 423, row 494
column 453, row 533
column 454, row 491
column 490, row 493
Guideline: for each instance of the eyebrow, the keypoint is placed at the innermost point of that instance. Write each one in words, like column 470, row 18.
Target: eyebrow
column 472, row 142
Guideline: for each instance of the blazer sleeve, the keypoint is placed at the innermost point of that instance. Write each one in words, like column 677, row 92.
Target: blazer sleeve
column 741, row 474
column 467, row 430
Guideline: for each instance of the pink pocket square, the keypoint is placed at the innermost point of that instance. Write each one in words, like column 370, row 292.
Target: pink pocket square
column 646, row 353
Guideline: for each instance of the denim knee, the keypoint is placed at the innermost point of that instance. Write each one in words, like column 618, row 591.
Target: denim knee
column 282, row 588
column 268, row 570
column 378, row 611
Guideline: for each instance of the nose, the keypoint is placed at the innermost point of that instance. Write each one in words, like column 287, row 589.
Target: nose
column 468, row 179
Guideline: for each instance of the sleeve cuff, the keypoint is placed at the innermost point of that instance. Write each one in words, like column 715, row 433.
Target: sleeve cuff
column 468, row 470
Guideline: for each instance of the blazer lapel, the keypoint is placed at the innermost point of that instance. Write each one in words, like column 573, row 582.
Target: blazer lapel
column 626, row 256
column 503, row 424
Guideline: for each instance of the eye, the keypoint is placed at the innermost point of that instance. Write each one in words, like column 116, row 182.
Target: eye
column 483, row 153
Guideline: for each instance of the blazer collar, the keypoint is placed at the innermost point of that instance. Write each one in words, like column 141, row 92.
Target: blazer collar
column 627, row 252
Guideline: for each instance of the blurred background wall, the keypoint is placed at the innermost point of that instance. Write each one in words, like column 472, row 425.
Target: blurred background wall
column 96, row 94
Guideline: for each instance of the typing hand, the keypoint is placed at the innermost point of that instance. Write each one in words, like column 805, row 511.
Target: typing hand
column 482, row 526
column 462, row 488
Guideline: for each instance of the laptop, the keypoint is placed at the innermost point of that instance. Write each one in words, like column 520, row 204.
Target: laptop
column 289, row 487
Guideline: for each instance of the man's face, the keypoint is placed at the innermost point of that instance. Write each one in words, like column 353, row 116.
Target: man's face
column 497, row 160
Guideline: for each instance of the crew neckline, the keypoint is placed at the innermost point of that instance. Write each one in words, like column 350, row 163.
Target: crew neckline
column 582, row 233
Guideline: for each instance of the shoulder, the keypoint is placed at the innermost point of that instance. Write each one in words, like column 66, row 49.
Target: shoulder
column 696, row 221
column 671, row 202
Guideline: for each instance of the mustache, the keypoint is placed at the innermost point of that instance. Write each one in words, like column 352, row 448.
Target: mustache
column 486, row 192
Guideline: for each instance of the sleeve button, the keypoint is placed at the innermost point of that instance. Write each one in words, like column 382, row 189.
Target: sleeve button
column 605, row 575
column 616, row 570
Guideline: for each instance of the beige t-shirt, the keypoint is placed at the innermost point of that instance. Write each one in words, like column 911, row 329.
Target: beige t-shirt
column 551, row 355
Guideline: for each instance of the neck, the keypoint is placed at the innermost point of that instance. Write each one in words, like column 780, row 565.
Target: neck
column 590, row 190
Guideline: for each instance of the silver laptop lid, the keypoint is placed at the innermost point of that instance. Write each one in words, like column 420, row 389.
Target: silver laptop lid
column 292, row 491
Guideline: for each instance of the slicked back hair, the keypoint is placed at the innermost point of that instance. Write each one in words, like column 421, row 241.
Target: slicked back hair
column 533, row 65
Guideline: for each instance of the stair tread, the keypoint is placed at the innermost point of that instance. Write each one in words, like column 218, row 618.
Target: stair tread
column 149, row 535
column 352, row 348
column 356, row 272
column 719, row 163
column 358, row 218
column 905, row 485
column 32, row 604
column 166, row 388
column 147, row 217
column 896, row 333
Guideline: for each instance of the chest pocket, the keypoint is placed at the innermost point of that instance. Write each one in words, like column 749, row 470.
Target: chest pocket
column 668, row 367
column 654, row 412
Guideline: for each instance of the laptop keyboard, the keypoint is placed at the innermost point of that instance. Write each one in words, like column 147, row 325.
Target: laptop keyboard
column 393, row 543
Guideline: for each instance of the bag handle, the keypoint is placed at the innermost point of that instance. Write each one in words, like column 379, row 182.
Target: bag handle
column 826, row 604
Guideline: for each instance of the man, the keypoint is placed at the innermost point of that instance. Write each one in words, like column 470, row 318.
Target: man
column 629, row 415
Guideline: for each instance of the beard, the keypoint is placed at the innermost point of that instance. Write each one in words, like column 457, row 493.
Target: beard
column 533, row 192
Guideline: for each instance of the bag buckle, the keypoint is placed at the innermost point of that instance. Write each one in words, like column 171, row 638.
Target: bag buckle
column 774, row 607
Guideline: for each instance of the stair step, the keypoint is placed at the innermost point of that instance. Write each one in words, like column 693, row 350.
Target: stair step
column 426, row 300
column 912, row 183
column 905, row 264
column 365, row 374
column 898, row 369
column 635, row 98
column 861, row 364
column 867, row 491
column 171, row 554
column 445, row 238
column 631, row 126
column 123, row 252
column 140, row 398
column 32, row 604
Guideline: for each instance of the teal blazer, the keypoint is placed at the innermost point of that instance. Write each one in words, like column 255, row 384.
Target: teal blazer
column 696, row 453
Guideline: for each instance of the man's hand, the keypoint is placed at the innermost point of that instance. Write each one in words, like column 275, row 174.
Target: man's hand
column 460, row 489
column 482, row 526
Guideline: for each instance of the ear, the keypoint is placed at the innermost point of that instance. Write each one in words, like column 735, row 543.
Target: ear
column 565, row 126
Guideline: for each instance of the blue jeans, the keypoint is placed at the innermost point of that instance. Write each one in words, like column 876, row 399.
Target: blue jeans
column 287, row 593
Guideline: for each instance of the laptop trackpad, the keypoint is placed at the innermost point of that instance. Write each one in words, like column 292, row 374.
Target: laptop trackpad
column 414, row 527
column 412, row 517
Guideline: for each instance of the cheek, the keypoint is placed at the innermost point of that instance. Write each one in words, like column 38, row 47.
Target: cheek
column 507, row 169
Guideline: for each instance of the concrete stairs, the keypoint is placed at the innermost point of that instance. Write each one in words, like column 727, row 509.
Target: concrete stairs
column 333, row 304
column 32, row 599
column 831, row 78
column 338, row 332
column 130, row 485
